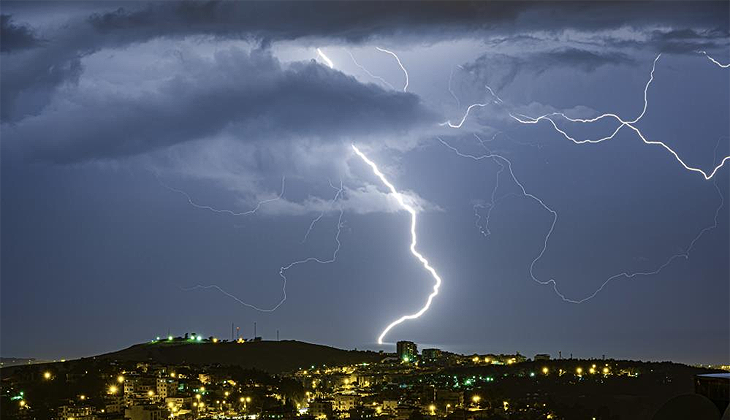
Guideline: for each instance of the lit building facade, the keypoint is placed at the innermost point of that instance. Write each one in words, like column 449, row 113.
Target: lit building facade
column 407, row 351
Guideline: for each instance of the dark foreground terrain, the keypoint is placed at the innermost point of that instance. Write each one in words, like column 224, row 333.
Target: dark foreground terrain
column 278, row 380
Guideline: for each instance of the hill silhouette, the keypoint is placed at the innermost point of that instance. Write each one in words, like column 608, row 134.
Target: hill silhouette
column 269, row 356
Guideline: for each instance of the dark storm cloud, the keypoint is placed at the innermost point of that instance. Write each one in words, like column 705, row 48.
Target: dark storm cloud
column 36, row 74
column 683, row 41
column 359, row 21
column 14, row 37
column 247, row 95
column 498, row 70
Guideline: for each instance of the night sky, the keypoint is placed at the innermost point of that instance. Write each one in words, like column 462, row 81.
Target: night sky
column 137, row 138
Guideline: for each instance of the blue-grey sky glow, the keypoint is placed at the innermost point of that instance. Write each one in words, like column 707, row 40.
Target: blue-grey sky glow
column 179, row 166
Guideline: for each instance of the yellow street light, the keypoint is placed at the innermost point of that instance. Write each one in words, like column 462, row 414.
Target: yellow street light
column 113, row 389
column 476, row 399
column 545, row 370
column 579, row 371
column 47, row 375
column 120, row 379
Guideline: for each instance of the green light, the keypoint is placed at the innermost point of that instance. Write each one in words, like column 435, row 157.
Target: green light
column 169, row 338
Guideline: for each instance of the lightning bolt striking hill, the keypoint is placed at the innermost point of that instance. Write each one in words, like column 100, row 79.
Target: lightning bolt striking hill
column 414, row 240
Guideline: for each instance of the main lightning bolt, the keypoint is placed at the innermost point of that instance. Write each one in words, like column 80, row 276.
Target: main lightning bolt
column 414, row 241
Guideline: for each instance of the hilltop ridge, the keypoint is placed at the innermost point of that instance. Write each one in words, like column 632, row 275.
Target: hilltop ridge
column 269, row 356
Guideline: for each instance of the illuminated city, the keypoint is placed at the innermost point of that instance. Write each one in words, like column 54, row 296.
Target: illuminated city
column 365, row 209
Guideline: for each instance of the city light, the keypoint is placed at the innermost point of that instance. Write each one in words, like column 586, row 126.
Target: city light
column 47, row 375
column 476, row 399
column 120, row 379
column 113, row 389
column 579, row 371
column 545, row 370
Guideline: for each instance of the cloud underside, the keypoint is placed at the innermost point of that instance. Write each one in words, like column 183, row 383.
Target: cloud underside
column 248, row 96
column 51, row 110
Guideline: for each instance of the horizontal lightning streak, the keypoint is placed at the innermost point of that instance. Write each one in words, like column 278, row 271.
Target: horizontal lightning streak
column 713, row 60
column 414, row 241
column 524, row 119
column 623, row 123
column 284, row 269
column 361, row 67
column 456, row 98
column 627, row 275
column 399, row 63
column 318, row 218
column 226, row 211
column 497, row 100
